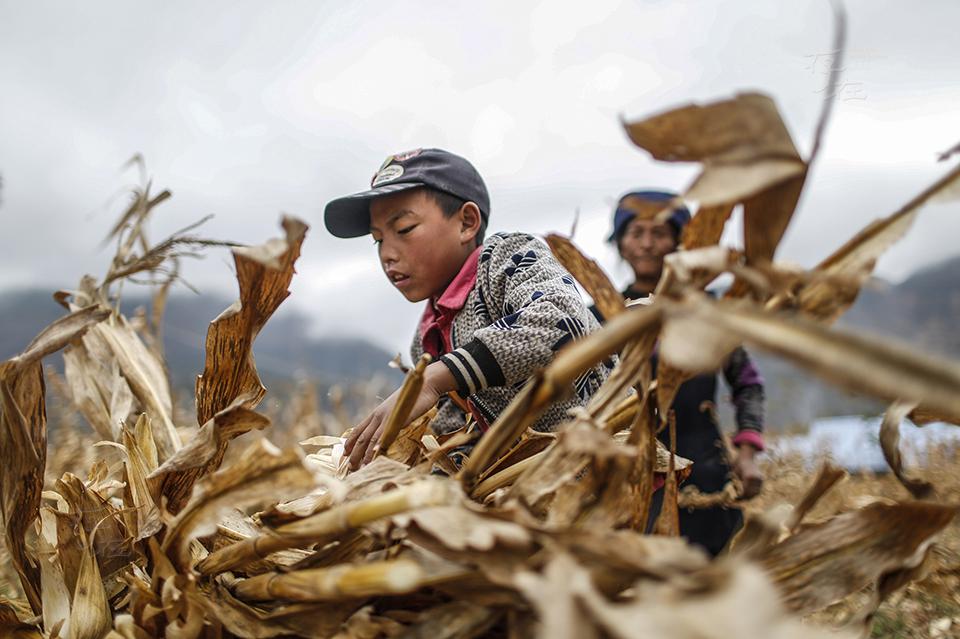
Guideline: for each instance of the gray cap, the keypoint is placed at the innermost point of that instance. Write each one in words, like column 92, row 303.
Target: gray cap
column 349, row 216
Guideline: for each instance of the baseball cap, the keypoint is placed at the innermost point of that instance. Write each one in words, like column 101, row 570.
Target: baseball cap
column 647, row 204
column 349, row 216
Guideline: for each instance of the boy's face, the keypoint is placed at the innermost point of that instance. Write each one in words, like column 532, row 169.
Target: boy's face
column 420, row 249
column 644, row 244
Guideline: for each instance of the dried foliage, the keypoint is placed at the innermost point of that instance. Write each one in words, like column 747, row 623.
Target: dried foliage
column 537, row 534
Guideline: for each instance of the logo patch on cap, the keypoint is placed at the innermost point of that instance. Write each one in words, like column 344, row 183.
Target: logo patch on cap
column 406, row 155
column 386, row 174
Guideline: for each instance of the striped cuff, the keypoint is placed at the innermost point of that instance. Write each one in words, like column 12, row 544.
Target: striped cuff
column 473, row 367
column 751, row 437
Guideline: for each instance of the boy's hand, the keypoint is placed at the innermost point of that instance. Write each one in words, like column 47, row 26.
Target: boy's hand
column 747, row 471
column 364, row 441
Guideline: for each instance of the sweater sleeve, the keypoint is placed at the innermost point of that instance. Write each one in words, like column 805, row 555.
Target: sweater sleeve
column 535, row 309
column 746, row 386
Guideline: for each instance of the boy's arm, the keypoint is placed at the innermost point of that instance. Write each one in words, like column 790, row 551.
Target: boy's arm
column 536, row 308
column 364, row 441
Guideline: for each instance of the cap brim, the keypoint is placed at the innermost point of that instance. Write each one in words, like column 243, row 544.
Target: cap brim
column 349, row 216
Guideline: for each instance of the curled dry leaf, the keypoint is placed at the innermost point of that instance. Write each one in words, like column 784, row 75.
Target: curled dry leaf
column 822, row 563
column 890, row 444
column 263, row 473
column 23, row 435
column 591, row 277
column 878, row 367
column 263, row 273
column 849, row 266
column 178, row 473
column 742, row 143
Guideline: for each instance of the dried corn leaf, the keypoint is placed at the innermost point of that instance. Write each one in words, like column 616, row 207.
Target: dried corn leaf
column 249, row 622
column 263, row 473
column 148, row 518
column 111, row 544
column 145, row 375
column 23, row 435
column 825, row 562
column 765, row 219
column 54, row 592
column 551, row 384
column 554, row 597
column 325, row 526
column 591, row 277
column 724, row 601
column 180, row 471
column 861, row 363
column 742, row 142
column 455, row 620
column 706, row 227
column 850, row 265
column 890, row 444
column 90, row 614
column 264, row 274
column 400, row 415
column 668, row 522
column 391, row 577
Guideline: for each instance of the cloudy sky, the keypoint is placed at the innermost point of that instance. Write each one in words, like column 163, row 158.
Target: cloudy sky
column 246, row 110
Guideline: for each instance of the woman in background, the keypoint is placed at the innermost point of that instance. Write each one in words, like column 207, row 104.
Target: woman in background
column 643, row 242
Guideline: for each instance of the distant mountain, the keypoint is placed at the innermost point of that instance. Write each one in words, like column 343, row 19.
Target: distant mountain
column 922, row 310
column 284, row 350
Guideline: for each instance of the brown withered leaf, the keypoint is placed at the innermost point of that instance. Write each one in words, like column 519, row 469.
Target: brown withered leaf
column 90, row 614
column 180, row 471
column 407, row 447
column 765, row 219
column 400, row 415
column 464, row 529
column 364, row 624
column 326, row 526
column 249, row 622
column 111, row 544
column 263, row 473
column 668, row 522
column 825, row 562
column 890, row 444
column 148, row 518
column 859, row 362
column 454, row 620
column 54, row 591
column 145, row 375
column 921, row 416
column 742, row 143
column 551, row 383
column 706, row 227
column 591, row 277
column 23, row 438
column 828, row 476
column 711, row 604
column 849, row 266
column 264, row 274
column 553, row 596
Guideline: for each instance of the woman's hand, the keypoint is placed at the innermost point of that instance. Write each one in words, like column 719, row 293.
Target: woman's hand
column 364, row 441
column 747, row 471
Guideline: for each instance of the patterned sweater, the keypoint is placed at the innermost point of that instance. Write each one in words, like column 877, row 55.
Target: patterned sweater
column 523, row 308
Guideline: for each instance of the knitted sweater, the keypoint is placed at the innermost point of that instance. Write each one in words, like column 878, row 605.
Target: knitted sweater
column 523, row 308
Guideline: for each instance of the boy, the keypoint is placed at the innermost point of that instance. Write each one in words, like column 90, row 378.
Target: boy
column 497, row 309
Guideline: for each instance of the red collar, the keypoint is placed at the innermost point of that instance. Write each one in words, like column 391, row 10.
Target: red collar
column 440, row 311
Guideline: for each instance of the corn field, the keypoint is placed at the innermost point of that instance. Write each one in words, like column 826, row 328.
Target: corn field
column 143, row 522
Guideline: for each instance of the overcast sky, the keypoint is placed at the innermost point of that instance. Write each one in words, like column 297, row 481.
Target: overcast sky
column 249, row 109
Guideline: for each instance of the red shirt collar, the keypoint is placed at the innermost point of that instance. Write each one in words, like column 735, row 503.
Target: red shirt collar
column 440, row 311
